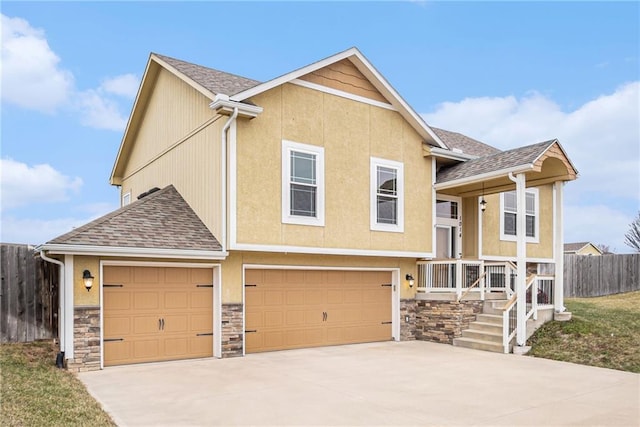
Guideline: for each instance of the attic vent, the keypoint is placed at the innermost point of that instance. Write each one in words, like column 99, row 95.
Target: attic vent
column 146, row 193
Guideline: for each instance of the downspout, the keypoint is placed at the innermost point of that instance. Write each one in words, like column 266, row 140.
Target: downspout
column 61, row 297
column 224, row 176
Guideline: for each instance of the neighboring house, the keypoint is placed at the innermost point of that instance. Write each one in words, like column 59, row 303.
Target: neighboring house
column 582, row 248
column 317, row 208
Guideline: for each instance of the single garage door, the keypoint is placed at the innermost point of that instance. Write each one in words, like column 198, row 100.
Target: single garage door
column 157, row 313
column 288, row 309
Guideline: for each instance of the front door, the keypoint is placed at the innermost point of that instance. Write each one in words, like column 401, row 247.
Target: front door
column 448, row 227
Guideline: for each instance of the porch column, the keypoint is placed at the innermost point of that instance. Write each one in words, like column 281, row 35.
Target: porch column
column 558, row 250
column 521, row 256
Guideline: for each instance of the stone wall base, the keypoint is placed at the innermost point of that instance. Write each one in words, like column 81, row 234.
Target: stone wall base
column 86, row 340
column 232, row 332
column 442, row 321
column 407, row 319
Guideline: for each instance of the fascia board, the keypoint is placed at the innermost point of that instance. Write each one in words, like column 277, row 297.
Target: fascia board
column 483, row 177
column 448, row 154
column 132, row 252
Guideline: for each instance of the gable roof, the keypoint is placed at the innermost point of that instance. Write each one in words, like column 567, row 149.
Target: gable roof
column 468, row 145
column 213, row 80
column 161, row 220
column 504, row 160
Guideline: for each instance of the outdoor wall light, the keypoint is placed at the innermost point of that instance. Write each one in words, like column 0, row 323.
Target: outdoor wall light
column 410, row 279
column 483, row 204
column 87, row 278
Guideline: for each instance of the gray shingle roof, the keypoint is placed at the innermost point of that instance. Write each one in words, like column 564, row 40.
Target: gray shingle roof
column 213, row 80
column 161, row 220
column 464, row 143
column 501, row 160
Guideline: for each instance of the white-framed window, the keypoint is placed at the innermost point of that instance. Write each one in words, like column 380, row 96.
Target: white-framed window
column 126, row 199
column 302, row 184
column 387, row 195
column 508, row 214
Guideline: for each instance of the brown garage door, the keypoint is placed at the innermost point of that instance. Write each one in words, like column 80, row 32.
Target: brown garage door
column 157, row 313
column 288, row 309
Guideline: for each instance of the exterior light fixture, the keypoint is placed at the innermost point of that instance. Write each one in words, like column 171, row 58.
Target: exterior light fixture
column 87, row 278
column 483, row 202
column 410, row 279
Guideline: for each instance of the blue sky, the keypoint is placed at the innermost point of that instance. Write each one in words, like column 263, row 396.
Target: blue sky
column 508, row 74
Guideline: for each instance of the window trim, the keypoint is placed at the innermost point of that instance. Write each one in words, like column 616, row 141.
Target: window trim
column 287, row 148
column 373, row 193
column 512, row 238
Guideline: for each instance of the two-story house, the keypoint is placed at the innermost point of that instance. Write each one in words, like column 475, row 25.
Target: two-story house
column 317, row 208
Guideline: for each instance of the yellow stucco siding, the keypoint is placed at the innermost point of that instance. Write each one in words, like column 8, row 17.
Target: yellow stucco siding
column 351, row 133
column 193, row 167
column 232, row 268
column 470, row 212
column 82, row 297
column 493, row 246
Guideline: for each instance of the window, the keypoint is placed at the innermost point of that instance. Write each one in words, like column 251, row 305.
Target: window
column 126, row 199
column 387, row 195
column 509, row 209
column 302, row 184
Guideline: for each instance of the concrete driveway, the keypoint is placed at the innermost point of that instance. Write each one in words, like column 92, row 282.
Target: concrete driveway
column 390, row 383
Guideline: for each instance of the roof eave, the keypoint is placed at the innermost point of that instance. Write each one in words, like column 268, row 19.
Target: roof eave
column 449, row 154
column 483, row 177
column 134, row 252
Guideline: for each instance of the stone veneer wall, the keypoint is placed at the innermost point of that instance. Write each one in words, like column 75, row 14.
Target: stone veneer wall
column 232, row 332
column 442, row 321
column 86, row 340
column 407, row 327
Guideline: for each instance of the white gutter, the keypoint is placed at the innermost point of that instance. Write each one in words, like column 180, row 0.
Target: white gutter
column 61, row 297
column 223, row 138
column 133, row 252
column 450, row 154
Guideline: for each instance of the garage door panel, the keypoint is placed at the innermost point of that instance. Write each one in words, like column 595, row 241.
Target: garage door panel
column 148, row 300
column 320, row 308
column 158, row 314
column 176, row 300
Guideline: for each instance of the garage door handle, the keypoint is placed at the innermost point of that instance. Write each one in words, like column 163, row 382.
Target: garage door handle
column 159, row 324
column 163, row 324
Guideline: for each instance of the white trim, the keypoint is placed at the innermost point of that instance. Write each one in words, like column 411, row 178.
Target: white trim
column 233, row 183
column 222, row 105
column 376, row 162
column 216, row 295
column 480, row 214
column 515, row 259
column 244, row 314
column 455, row 223
column 434, row 198
column 133, row 252
column 329, row 251
column 69, row 307
column 513, row 238
column 483, row 176
column 450, row 154
column 287, row 148
column 558, row 196
column 126, row 199
column 343, row 94
column 395, row 289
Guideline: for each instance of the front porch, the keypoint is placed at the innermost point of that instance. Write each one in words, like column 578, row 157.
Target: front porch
column 473, row 303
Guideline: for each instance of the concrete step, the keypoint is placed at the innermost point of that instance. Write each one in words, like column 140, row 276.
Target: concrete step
column 482, row 336
column 490, row 318
column 491, row 308
column 478, row 344
column 486, row 327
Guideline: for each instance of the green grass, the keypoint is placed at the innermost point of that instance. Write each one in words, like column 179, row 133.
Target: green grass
column 603, row 331
column 33, row 392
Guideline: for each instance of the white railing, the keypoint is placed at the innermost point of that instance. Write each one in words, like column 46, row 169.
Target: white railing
column 454, row 275
column 509, row 322
column 501, row 277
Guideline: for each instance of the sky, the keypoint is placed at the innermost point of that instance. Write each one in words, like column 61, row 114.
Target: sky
column 506, row 73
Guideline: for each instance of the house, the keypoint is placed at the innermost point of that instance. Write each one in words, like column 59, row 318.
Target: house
column 317, row 208
column 582, row 248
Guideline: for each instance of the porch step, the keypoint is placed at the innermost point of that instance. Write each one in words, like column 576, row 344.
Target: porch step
column 490, row 318
column 492, row 328
column 478, row 344
column 482, row 336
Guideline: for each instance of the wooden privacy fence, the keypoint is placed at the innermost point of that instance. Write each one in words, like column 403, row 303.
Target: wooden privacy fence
column 28, row 295
column 593, row 276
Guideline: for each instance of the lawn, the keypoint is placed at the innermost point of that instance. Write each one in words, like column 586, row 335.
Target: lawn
column 603, row 331
column 33, row 392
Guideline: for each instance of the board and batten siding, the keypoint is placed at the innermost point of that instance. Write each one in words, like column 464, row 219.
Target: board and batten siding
column 178, row 143
column 351, row 132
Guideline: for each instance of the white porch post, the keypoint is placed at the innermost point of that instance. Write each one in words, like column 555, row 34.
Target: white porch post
column 558, row 251
column 521, row 256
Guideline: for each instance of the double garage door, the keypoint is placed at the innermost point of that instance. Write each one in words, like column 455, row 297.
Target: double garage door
column 157, row 313
column 288, row 309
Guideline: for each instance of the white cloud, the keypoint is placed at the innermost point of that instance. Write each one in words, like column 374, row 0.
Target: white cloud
column 22, row 184
column 602, row 138
column 125, row 85
column 31, row 75
column 36, row 231
column 32, row 78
